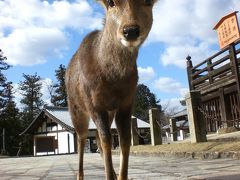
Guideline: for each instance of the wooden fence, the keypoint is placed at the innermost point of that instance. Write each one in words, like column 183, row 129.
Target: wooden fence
column 218, row 80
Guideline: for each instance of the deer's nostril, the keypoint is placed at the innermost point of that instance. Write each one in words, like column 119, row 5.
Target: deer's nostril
column 131, row 32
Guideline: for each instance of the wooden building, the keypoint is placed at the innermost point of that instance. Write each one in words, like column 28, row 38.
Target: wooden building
column 53, row 132
column 182, row 126
column 218, row 80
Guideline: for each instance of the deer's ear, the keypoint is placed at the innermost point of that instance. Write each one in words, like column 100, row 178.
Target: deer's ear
column 103, row 2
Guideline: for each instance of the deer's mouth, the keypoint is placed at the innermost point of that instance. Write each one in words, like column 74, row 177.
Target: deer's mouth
column 127, row 43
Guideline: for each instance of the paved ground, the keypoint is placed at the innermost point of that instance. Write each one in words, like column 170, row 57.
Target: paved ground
column 141, row 168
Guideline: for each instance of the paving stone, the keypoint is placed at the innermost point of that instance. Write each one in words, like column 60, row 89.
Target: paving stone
column 65, row 167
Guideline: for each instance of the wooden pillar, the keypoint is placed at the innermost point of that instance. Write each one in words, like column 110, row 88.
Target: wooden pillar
column 75, row 140
column 156, row 134
column 4, row 152
column 134, row 128
column 34, row 146
column 68, row 140
column 210, row 69
column 235, row 69
column 225, row 109
column 57, row 141
column 235, row 65
column 173, row 129
column 189, row 72
column 196, row 120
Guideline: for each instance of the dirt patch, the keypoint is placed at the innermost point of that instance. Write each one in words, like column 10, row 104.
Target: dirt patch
column 227, row 130
column 188, row 147
column 218, row 146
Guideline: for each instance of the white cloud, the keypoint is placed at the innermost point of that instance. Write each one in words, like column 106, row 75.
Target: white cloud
column 176, row 54
column 170, row 85
column 185, row 27
column 167, row 85
column 33, row 31
column 33, row 45
column 62, row 14
column 145, row 74
column 188, row 20
column 183, row 91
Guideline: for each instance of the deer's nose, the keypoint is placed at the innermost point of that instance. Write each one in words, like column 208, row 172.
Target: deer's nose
column 131, row 32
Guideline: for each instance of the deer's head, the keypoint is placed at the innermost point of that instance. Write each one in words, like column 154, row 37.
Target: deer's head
column 128, row 21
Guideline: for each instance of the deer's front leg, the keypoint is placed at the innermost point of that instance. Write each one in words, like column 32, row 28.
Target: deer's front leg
column 101, row 120
column 123, row 122
column 81, row 144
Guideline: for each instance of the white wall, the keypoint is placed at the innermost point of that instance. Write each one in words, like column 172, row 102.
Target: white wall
column 62, row 138
column 181, row 135
column 63, row 142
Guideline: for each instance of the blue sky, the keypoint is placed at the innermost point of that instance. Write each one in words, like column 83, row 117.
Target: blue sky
column 38, row 36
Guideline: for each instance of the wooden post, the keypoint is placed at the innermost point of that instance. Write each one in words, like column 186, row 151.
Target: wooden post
column 68, row 140
column 3, row 142
column 156, row 134
column 235, row 66
column 57, row 141
column 34, row 146
column 189, row 72
column 173, row 129
column 225, row 109
column 210, row 69
column 196, row 120
column 134, row 128
column 75, row 140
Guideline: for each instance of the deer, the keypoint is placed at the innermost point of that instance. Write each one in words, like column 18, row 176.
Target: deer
column 102, row 76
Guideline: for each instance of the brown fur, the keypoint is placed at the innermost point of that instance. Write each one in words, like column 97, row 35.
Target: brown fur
column 101, row 80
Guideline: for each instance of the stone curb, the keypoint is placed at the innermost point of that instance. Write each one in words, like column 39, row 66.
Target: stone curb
column 192, row 155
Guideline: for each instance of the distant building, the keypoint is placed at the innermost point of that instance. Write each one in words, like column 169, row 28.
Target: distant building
column 181, row 115
column 181, row 123
column 53, row 132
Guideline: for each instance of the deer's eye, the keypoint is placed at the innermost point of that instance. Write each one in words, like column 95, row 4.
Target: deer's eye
column 111, row 3
column 148, row 2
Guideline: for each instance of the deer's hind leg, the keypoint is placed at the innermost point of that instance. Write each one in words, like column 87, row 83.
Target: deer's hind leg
column 80, row 121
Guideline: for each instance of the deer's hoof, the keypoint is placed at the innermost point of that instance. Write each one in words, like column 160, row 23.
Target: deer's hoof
column 80, row 177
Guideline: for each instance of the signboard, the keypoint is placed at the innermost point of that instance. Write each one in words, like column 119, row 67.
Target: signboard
column 227, row 29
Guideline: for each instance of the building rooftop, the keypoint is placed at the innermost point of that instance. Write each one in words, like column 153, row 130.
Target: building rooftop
column 180, row 124
column 62, row 116
column 180, row 113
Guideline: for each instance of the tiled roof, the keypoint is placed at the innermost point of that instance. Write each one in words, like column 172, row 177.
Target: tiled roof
column 180, row 113
column 179, row 124
column 63, row 115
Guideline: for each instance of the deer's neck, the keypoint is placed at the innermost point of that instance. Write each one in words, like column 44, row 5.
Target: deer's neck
column 114, row 58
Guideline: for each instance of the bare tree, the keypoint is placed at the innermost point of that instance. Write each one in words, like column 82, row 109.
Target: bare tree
column 169, row 109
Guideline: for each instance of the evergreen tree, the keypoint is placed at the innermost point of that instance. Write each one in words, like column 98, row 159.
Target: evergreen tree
column 31, row 92
column 10, row 122
column 3, row 80
column 59, row 97
column 144, row 100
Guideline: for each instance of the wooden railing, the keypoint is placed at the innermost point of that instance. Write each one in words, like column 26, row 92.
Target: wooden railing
column 219, row 70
